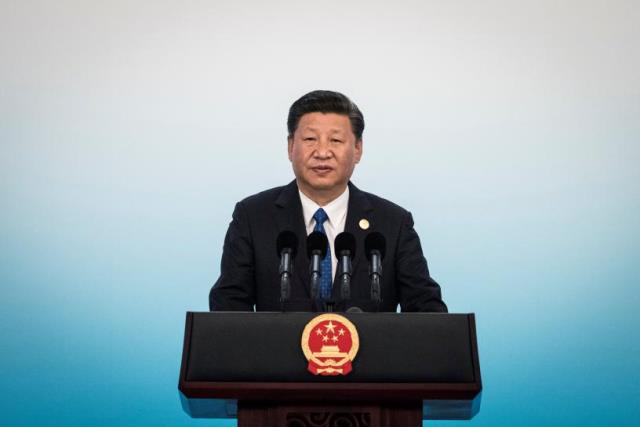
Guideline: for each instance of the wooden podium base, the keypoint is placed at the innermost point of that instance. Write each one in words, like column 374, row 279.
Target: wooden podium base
column 290, row 414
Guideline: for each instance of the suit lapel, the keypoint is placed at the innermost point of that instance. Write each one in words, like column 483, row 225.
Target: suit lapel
column 359, row 208
column 289, row 217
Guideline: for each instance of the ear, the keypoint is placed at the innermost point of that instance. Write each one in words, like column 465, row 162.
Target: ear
column 289, row 146
column 358, row 154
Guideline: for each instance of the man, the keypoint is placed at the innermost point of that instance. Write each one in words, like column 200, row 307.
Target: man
column 324, row 145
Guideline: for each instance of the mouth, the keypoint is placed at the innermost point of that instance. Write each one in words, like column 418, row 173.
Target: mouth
column 322, row 169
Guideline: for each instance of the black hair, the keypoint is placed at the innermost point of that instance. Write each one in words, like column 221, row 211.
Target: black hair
column 325, row 101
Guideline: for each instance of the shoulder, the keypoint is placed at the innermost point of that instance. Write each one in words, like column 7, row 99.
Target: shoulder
column 265, row 196
column 385, row 204
column 269, row 197
column 379, row 204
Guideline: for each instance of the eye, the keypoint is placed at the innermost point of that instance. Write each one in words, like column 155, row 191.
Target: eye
column 308, row 138
column 336, row 141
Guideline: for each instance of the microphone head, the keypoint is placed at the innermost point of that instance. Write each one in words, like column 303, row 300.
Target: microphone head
column 345, row 242
column 287, row 239
column 317, row 241
column 375, row 241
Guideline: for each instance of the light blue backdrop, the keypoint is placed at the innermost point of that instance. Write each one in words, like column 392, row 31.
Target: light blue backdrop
column 128, row 130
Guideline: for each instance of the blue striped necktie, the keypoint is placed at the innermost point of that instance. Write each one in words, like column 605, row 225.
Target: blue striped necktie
column 325, row 266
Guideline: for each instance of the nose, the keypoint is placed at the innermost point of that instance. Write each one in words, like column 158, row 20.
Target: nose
column 323, row 149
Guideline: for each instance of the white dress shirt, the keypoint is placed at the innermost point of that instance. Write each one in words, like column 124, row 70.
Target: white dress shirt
column 337, row 216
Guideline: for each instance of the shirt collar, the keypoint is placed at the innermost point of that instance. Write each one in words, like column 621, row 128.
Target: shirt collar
column 336, row 209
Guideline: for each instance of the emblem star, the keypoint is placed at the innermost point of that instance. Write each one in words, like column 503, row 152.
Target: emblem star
column 325, row 338
column 341, row 331
column 318, row 331
column 330, row 327
column 334, row 338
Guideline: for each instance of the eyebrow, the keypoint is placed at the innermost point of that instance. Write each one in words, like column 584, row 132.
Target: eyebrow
column 334, row 130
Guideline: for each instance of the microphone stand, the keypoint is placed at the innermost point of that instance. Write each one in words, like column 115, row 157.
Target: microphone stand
column 376, row 277
column 285, row 277
column 345, row 271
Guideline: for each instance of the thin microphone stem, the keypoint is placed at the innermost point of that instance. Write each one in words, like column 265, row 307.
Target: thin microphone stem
column 315, row 281
column 315, row 274
column 285, row 287
column 345, row 275
column 285, row 277
column 376, row 276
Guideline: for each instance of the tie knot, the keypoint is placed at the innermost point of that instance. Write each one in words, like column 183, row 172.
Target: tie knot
column 320, row 216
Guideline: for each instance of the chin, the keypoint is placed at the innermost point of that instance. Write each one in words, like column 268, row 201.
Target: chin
column 315, row 182
column 321, row 187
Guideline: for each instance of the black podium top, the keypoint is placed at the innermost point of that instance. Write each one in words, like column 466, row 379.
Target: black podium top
column 425, row 356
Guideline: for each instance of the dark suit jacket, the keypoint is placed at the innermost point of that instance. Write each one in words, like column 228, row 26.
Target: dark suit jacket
column 249, row 266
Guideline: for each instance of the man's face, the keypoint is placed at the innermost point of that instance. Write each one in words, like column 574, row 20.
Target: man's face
column 324, row 151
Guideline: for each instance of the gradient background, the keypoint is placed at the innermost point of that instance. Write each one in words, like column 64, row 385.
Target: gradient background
column 128, row 130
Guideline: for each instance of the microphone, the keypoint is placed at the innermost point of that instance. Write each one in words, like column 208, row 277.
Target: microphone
column 375, row 246
column 317, row 245
column 286, row 246
column 345, row 247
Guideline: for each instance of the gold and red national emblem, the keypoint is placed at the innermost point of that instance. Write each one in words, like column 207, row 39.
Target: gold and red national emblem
column 330, row 343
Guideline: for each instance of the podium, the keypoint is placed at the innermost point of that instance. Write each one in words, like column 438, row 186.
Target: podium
column 409, row 367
